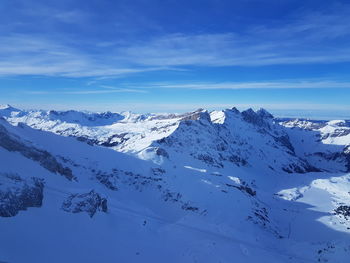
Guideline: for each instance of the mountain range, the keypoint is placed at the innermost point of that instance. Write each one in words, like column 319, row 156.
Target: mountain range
column 219, row 186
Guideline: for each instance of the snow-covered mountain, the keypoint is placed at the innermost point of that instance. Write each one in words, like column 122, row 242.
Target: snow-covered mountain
column 325, row 144
column 221, row 186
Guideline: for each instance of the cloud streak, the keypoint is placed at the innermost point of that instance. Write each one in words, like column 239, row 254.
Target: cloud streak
column 150, row 87
column 217, row 50
column 286, row 84
column 27, row 55
column 106, row 90
column 314, row 37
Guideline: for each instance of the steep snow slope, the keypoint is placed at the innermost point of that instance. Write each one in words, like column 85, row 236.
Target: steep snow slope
column 204, row 192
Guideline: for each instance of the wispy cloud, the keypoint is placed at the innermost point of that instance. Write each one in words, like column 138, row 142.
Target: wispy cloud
column 150, row 87
column 331, row 23
column 49, row 13
column 28, row 55
column 282, row 84
column 228, row 49
column 311, row 37
column 103, row 90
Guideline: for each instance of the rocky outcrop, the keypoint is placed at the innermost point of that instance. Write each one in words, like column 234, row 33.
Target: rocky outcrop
column 346, row 154
column 18, row 194
column 87, row 202
column 244, row 188
column 343, row 210
column 109, row 180
column 196, row 115
column 259, row 118
column 285, row 141
column 162, row 152
column 264, row 114
column 302, row 167
column 84, row 118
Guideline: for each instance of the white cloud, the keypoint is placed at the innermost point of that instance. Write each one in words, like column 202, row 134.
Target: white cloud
column 27, row 55
column 86, row 92
column 318, row 37
column 230, row 50
column 282, row 84
column 313, row 37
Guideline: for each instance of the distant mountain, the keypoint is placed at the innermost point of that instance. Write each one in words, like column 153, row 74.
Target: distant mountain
column 202, row 186
column 325, row 144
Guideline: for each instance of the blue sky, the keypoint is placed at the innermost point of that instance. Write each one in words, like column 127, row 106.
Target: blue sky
column 291, row 57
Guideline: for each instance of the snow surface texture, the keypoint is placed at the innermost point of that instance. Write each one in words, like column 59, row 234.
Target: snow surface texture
column 224, row 186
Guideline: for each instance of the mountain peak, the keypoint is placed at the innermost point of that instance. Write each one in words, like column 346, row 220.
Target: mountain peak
column 264, row 113
column 234, row 109
column 257, row 118
column 197, row 115
column 6, row 107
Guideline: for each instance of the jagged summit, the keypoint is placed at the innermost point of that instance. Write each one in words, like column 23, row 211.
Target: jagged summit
column 244, row 133
column 199, row 114
column 260, row 118
column 7, row 107
column 4, row 106
column 235, row 110
column 107, row 118
column 85, row 118
column 7, row 110
column 264, row 113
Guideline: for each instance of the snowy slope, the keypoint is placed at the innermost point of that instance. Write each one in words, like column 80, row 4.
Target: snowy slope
column 107, row 129
column 195, row 187
column 326, row 144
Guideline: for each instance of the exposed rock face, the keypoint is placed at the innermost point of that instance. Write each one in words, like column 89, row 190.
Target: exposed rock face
column 264, row 114
column 115, row 140
column 304, row 168
column 109, row 180
column 284, row 140
column 162, row 152
column 43, row 157
column 346, row 154
column 88, row 202
column 257, row 118
column 243, row 188
column 85, row 118
column 196, row 115
column 343, row 210
column 18, row 194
